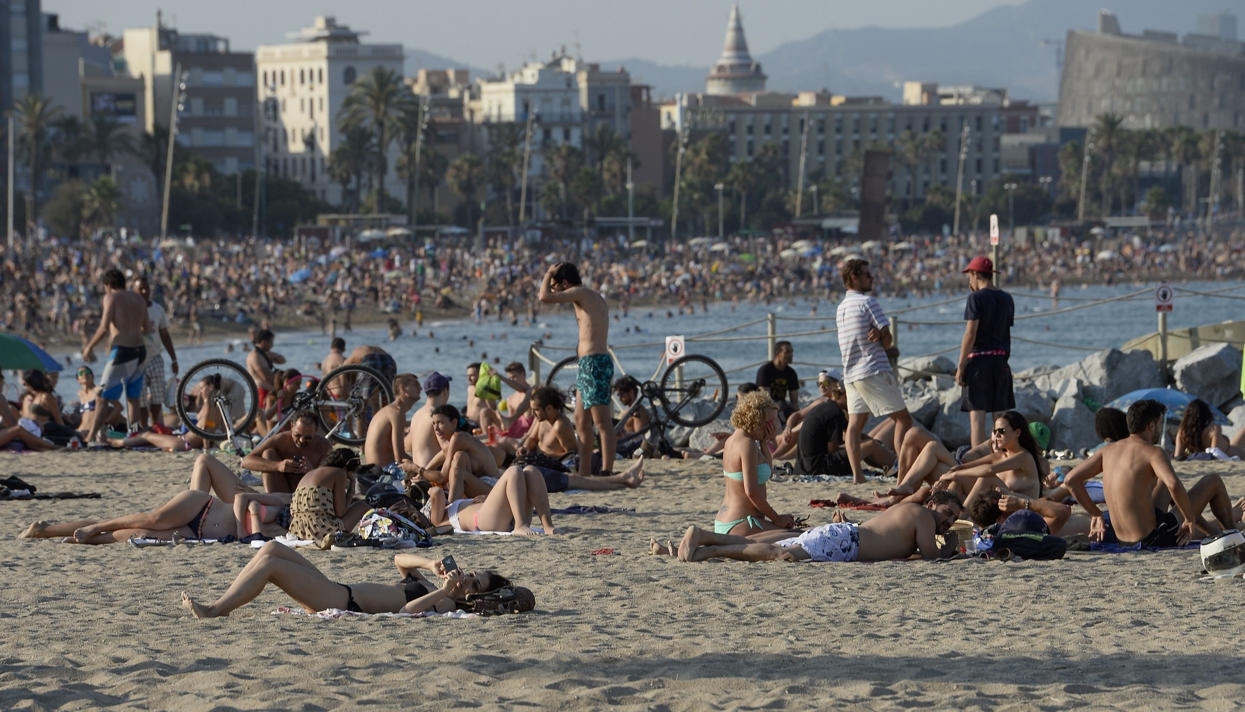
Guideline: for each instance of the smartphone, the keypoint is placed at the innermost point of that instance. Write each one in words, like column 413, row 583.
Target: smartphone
column 449, row 564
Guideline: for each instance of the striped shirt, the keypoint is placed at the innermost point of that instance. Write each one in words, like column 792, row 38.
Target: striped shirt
column 857, row 313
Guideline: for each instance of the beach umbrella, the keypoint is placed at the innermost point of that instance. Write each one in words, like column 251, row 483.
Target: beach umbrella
column 300, row 276
column 17, row 353
column 1176, row 401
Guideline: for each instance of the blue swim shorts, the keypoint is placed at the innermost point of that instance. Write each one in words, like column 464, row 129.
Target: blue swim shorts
column 596, row 373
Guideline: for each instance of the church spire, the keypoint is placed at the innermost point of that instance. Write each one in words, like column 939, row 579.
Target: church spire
column 735, row 72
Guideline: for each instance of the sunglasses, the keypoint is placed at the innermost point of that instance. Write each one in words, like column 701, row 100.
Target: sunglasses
column 999, row 431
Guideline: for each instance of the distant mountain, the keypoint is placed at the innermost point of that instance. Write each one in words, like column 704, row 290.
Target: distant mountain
column 417, row 59
column 1002, row 47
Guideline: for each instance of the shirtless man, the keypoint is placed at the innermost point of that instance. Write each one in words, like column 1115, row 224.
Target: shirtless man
column 562, row 284
column 463, row 459
column 192, row 514
column 336, row 357
column 1139, row 510
column 421, row 441
column 153, row 370
column 375, row 358
column 386, row 434
column 898, row 533
column 480, row 410
column 262, row 363
column 284, row 458
column 551, row 432
column 124, row 320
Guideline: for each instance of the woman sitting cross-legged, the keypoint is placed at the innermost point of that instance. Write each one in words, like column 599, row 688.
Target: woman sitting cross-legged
column 280, row 565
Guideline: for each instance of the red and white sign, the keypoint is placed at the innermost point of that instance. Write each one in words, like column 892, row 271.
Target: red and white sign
column 1163, row 298
column 674, row 348
column 994, row 229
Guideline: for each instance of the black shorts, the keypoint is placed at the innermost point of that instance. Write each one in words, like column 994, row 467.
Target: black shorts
column 989, row 385
column 1165, row 534
column 831, row 463
column 554, row 481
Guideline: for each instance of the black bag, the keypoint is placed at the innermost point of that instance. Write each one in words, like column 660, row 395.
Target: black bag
column 1040, row 547
column 540, row 459
column 511, row 599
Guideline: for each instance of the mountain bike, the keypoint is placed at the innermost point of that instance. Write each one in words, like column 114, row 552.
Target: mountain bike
column 217, row 400
column 692, row 391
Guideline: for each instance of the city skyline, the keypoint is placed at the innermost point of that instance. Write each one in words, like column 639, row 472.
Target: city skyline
column 600, row 31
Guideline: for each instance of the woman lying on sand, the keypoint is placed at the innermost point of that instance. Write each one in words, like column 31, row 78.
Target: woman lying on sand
column 506, row 508
column 282, row 566
column 189, row 515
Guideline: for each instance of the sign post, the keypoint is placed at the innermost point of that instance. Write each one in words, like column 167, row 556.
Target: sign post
column 1163, row 305
column 994, row 247
column 674, row 348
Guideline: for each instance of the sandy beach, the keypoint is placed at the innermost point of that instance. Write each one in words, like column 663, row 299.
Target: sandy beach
column 102, row 627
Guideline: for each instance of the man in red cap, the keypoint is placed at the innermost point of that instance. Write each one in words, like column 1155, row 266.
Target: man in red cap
column 983, row 370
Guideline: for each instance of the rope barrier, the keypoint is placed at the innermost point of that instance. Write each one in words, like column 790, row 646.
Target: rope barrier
column 1053, row 344
column 1182, row 290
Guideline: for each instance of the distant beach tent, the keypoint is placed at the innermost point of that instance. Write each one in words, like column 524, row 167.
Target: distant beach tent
column 18, row 354
column 1176, row 401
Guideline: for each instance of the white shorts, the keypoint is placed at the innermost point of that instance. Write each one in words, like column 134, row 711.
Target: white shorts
column 878, row 394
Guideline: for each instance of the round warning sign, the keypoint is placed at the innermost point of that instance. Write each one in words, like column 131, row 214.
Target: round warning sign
column 1163, row 298
column 674, row 348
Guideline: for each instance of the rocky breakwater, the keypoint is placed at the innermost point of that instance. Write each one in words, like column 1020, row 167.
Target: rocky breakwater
column 1066, row 398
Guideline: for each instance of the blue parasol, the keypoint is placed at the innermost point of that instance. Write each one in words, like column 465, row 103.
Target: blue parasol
column 18, row 353
column 1175, row 400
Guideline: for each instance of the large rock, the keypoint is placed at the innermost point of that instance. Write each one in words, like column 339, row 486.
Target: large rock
column 918, row 367
column 701, row 438
column 1108, row 374
column 922, row 404
column 951, row 424
column 1033, row 403
column 1212, row 373
column 1072, row 424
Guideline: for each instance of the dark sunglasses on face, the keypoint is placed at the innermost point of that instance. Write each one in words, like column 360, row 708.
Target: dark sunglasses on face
column 999, row 431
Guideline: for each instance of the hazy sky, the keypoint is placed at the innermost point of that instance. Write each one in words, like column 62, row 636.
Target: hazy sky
column 485, row 33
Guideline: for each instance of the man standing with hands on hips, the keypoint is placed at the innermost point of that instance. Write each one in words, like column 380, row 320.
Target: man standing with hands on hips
column 562, row 284
column 983, row 370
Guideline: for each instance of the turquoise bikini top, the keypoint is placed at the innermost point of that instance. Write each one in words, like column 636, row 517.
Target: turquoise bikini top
column 763, row 473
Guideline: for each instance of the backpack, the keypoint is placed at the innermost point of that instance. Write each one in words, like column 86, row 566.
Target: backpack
column 510, row 599
column 1040, row 547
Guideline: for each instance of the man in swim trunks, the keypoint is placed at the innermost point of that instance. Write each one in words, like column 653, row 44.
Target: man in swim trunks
column 562, row 284
column 1131, row 468
column 375, row 358
column 262, row 363
column 153, row 371
column 124, row 319
column 900, row 532
column 386, row 434
column 284, row 458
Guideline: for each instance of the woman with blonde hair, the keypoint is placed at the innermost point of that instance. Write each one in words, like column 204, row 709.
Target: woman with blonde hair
column 747, row 464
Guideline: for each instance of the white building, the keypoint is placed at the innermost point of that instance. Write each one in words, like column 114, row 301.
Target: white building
column 302, row 86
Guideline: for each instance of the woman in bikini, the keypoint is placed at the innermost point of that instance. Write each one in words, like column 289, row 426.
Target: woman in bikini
column 321, row 503
column 747, row 465
column 1012, row 466
column 506, row 508
column 191, row 514
column 280, row 565
column 1199, row 432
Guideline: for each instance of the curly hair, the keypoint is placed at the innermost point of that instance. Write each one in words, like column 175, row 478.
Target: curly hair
column 1197, row 418
column 750, row 410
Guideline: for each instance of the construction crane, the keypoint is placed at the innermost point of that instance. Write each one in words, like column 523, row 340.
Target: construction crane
column 1058, row 45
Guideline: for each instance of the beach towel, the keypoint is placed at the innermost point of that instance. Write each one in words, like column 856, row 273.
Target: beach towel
column 591, row 509
column 288, row 540
column 142, row 542
column 1117, row 548
column 535, row 530
column 332, row 614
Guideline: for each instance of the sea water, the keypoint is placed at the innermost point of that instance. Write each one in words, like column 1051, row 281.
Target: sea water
column 1044, row 333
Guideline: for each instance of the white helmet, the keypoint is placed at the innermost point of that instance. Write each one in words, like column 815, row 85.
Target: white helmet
column 1224, row 553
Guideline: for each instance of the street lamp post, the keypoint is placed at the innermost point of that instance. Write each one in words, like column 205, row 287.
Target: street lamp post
column 630, row 204
column 721, row 224
column 959, row 178
column 678, row 170
column 1011, row 208
column 179, row 98
column 816, row 205
column 1080, row 203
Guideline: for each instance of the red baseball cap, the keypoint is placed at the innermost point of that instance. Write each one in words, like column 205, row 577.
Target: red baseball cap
column 981, row 264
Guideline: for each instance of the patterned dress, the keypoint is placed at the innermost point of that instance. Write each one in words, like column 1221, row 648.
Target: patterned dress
column 312, row 515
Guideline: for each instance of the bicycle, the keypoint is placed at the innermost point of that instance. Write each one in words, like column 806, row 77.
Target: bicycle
column 692, row 392
column 217, row 399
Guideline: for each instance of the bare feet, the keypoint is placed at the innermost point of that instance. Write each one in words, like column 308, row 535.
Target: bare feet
column 839, row 517
column 520, row 530
column 655, row 549
column 83, row 535
column 35, row 530
column 197, row 609
column 689, row 543
column 634, row 476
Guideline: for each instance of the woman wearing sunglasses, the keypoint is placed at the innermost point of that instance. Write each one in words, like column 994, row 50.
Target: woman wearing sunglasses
column 1011, row 466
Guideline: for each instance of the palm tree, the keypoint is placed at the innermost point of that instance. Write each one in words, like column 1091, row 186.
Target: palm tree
column 194, row 173
column 348, row 163
column 35, row 116
column 106, row 138
column 1186, row 151
column 502, row 166
column 909, row 148
column 465, row 175
column 101, row 203
column 562, row 164
column 69, row 143
column 151, row 149
column 413, row 124
column 1108, row 132
column 377, row 102
column 433, row 166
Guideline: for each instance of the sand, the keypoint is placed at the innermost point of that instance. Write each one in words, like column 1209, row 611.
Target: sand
column 89, row 627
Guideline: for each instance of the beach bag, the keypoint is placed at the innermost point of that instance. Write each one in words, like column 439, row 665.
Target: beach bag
column 540, row 459
column 488, row 384
column 510, row 599
column 1040, row 547
column 387, row 525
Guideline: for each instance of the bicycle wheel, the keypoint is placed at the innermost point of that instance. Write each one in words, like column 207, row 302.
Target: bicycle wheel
column 233, row 399
column 347, row 399
column 695, row 391
column 562, row 377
